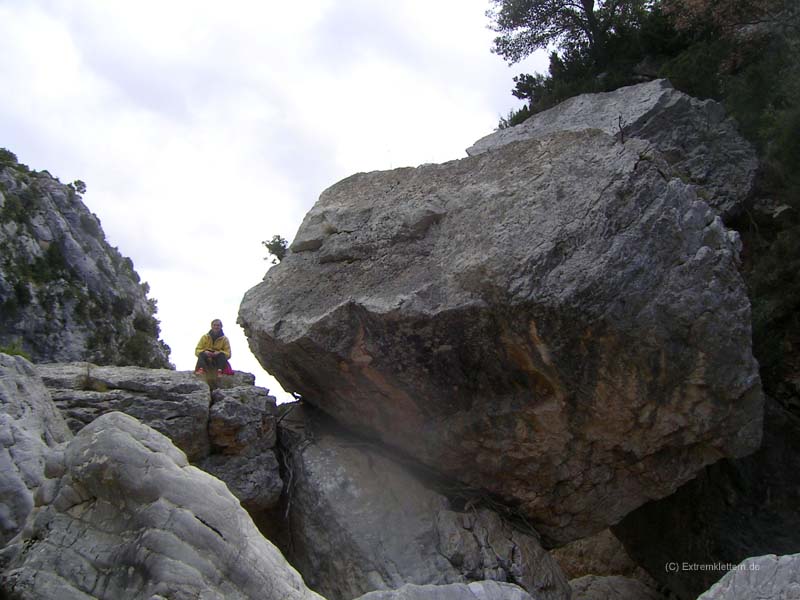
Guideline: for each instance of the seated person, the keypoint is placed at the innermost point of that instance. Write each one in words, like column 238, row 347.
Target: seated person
column 213, row 350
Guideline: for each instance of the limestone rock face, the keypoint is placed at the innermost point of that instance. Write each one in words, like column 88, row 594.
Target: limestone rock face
column 767, row 577
column 229, row 432
column 30, row 430
column 126, row 516
column 479, row 590
column 65, row 293
column 242, row 433
column 694, row 136
column 361, row 521
column 559, row 321
column 176, row 403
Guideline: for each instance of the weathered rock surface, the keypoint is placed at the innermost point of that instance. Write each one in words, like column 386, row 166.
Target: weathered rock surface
column 559, row 321
column 65, row 293
column 242, row 432
column 732, row 510
column 768, row 577
column 612, row 587
column 361, row 521
column 126, row 516
column 229, row 432
column 601, row 554
column 696, row 137
column 176, row 403
column 479, row 590
column 30, row 429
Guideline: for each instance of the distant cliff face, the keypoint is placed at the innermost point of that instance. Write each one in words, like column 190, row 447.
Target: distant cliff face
column 65, row 294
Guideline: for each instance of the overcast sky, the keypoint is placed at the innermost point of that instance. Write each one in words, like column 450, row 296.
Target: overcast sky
column 202, row 128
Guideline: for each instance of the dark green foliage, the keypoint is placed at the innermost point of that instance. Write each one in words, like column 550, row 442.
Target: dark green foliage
column 7, row 157
column 121, row 307
column 81, row 308
column 19, row 205
column 277, row 248
column 15, row 349
column 146, row 324
column 22, row 294
column 514, row 117
column 50, row 266
column 696, row 69
column 527, row 25
column 138, row 350
column 635, row 50
column 91, row 225
column 13, row 209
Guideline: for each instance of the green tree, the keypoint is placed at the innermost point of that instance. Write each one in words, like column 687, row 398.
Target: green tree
column 277, row 248
column 528, row 25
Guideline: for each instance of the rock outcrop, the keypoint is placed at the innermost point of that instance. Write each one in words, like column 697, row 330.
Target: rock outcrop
column 601, row 554
column 242, row 433
column 65, row 294
column 174, row 403
column 30, row 429
column 612, row 587
column 124, row 515
column 479, row 590
column 359, row 520
column 767, row 577
column 558, row 321
column 229, row 432
column 695, row 137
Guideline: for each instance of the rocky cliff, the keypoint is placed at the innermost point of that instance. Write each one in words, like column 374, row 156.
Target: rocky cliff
column 65, row 293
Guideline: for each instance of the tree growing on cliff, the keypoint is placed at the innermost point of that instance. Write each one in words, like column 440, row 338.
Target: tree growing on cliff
column 277, row 248
column 528, row 25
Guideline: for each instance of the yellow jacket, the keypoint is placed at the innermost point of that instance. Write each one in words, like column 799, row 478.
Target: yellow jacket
column 221, row 344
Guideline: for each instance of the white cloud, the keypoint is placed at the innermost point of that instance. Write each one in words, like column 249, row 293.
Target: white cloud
column 203, row 128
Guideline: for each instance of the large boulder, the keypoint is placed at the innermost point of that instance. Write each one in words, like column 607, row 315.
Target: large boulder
column 767, row 577
column 124, row 515
column 696, row 137
column 30, row 430
column 362, row 520
column 559, row 321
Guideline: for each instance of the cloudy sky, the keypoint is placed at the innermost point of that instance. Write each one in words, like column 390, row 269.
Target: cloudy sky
column 202, row 128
